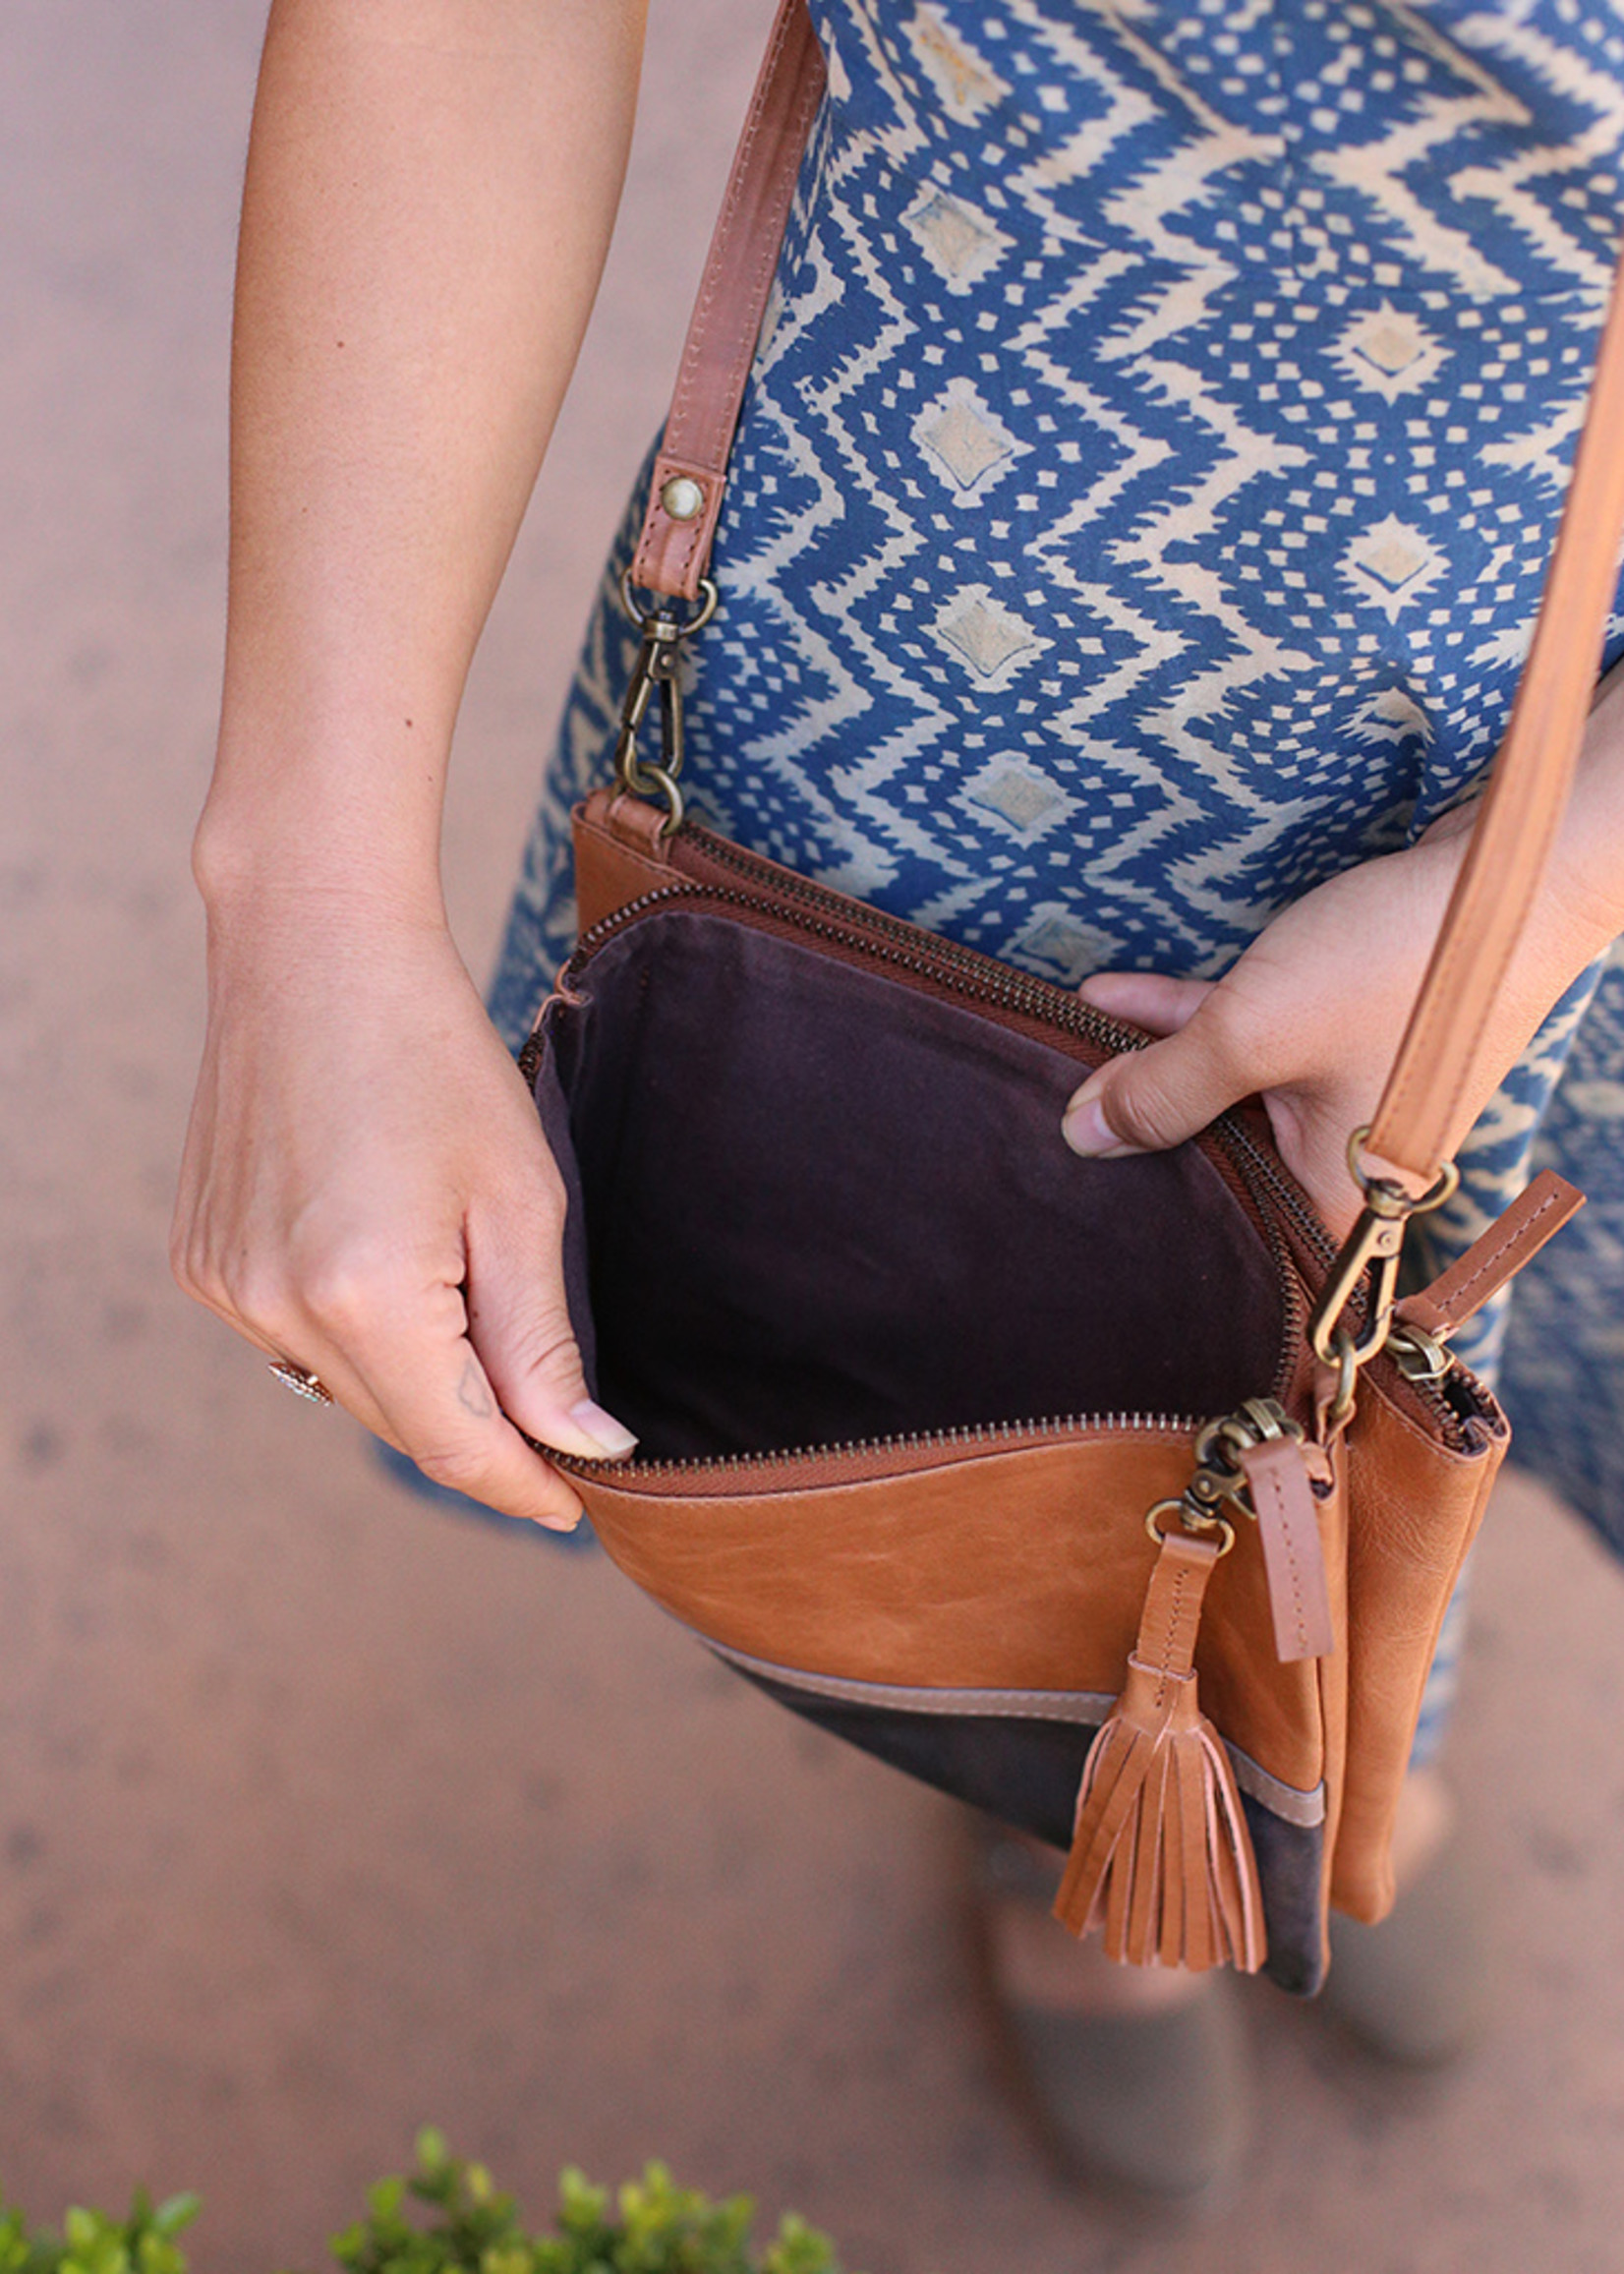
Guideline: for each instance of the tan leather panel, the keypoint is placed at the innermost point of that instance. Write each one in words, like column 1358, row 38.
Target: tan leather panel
column 614, row 866
column 1417, row 1507
column 1014, row 1570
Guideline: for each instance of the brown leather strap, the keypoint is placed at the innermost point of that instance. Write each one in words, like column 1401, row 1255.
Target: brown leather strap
column 1413, row 1127
column 1415, row 1123
column 1172, row 1615
column 1511, row 1241
column 689, row 474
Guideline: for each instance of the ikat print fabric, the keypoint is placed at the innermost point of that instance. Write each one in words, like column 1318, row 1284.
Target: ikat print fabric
column 1139, row 510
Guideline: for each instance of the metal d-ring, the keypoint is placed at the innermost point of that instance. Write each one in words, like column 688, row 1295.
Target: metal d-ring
column 1197, row 1527
column 685, row 626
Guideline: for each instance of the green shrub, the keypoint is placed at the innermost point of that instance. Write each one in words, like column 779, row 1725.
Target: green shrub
column 91, row 2244
column 447, row 2218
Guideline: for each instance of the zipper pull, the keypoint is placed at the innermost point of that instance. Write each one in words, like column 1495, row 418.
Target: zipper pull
column 1258, row 1461
column 1280, row 1487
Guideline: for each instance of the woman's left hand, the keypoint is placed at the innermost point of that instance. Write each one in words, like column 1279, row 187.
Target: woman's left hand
column 1311, row 1017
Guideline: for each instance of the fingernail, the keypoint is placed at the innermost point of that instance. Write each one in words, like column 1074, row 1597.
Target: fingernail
column 1086, row 1130
column 612, row 1438
column 562, row 1523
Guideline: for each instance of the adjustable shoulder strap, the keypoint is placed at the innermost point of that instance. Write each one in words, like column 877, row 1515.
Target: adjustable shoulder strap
column 1511, row 842
column 688, row 477
column 1514, row 832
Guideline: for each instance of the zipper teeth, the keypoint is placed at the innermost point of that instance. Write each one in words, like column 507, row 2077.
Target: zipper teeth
column 1284, row 1193
column 902, row 1441
column 966, row 971
column 801, row 888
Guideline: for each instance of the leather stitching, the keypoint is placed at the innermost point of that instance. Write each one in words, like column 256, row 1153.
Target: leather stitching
column 1490, row 1261
column 693, row 545
column 1293, row 1570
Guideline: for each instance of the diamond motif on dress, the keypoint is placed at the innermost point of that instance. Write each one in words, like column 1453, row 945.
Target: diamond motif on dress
column 1392, row 563
column 1392, row 715
column 988, row 636
column 966, row 445
column 1014, row 790
column 966, row 83
column 1058, row 946
column 960, row 242
column 1391, row 351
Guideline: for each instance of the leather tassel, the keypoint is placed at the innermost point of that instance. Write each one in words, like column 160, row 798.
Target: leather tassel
column 1161, row 1858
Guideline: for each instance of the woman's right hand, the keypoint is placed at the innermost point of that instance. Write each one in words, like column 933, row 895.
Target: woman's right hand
column 366, row 1192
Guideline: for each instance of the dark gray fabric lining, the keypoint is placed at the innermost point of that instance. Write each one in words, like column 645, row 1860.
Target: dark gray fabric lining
column 1027, row 1773
column 813, row 1205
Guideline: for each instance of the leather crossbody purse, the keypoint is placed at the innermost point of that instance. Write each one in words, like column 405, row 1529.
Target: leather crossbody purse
column 1110, row 1496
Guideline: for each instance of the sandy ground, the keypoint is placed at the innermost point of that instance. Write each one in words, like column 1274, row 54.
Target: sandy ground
column 323, row 1813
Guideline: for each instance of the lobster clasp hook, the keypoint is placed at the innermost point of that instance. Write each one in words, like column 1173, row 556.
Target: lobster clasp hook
column 1374, row 1244
column 658, row 664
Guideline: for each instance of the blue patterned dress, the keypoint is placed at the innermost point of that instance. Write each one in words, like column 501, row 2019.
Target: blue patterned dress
column 1139, row 510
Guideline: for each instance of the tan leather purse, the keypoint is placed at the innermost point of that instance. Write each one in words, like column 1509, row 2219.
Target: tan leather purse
column 1108, row 1496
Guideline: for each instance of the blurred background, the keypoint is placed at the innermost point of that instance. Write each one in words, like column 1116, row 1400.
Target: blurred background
column 324, row 1813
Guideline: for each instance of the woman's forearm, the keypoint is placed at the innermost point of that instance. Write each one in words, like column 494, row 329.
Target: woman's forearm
column 430, row 189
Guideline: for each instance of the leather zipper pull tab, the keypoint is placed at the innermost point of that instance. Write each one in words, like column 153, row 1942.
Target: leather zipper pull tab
column 1511, row 1241
column 1280, row 1485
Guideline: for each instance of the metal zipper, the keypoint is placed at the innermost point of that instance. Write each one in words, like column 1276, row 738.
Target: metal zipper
column 987, row 1434
column 1041, row 996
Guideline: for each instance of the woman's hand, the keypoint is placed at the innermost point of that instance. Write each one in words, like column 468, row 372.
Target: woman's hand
column 430, row 187
column 1311, row 1017
column 367, row 1192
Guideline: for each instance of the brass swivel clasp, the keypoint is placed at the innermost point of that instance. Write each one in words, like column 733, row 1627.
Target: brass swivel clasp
column 658, row 664
column 1219, row 1480
column 1374, row 1244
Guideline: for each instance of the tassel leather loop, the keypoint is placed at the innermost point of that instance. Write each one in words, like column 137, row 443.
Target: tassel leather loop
column 1161, row 1859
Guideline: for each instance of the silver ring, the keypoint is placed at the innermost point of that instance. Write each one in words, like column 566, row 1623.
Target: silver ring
column 302, row 1382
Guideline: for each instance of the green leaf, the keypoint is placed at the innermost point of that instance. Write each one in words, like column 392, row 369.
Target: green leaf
column 385, row 2198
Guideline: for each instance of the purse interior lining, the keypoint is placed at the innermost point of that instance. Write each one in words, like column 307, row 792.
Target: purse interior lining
column 812, row 1206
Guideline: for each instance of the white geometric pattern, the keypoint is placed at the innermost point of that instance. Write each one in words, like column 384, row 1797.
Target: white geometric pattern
column 965, row 442
column 990, row 638
column 960, row 242
column 1392, row 563
column 1390, row 350
column 1027, row 800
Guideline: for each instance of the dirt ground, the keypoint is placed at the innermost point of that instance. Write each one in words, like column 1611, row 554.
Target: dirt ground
column 324, row 1813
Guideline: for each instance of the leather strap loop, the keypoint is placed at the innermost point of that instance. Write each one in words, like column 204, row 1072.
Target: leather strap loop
column 674, row 548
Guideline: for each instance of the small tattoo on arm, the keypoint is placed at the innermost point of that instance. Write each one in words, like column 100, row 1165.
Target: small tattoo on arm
column 474, row 1394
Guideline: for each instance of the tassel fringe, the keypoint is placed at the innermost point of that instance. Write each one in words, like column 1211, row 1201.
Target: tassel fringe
column 1161, row 1860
